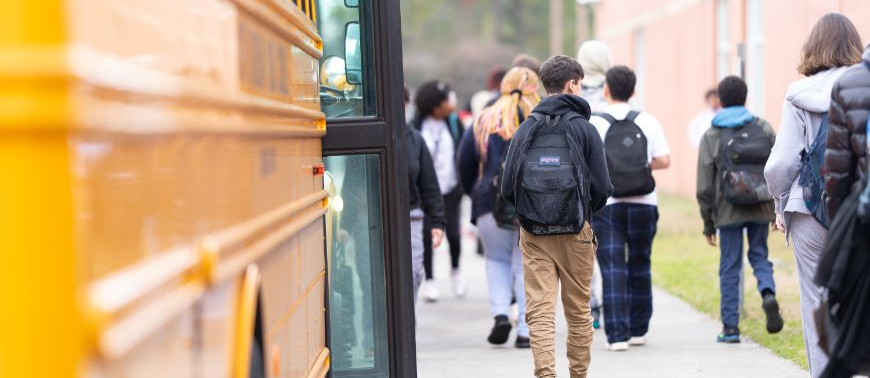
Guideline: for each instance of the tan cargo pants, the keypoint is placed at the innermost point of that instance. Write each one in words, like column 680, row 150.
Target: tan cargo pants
column 547, row 261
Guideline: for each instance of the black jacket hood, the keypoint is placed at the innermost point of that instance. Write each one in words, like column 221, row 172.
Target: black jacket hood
column 563, row 103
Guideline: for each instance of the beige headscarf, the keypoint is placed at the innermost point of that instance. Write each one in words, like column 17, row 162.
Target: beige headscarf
column 596, row 58
column 519, row 92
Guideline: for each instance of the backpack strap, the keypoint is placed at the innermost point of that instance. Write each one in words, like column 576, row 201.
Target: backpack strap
column 453, row 125
column 581, row 171
column 571, row 115
column 632, row 115
column 607, row 117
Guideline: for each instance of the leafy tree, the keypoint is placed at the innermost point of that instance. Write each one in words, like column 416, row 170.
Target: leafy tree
column 459, row 41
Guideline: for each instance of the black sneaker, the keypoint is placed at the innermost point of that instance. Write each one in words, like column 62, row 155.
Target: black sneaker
column 522, row 343
column 500, row 330
column 729, row 336
column 771, row 310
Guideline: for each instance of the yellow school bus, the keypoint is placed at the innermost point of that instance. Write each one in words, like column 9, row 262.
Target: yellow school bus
column 161, row 182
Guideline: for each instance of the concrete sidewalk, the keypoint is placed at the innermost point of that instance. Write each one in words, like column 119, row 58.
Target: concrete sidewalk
column 451, row 341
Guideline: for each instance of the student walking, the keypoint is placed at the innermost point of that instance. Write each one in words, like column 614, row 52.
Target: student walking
column 595, row 58
column 734, row 199
column 556, row 176
column 635, row 145
column 425, row 199
column 702, row 121
column 441, row 129
column 481, row 99
column 833, row 45
column 481, row 162
column 844, row 264
column 846, row 157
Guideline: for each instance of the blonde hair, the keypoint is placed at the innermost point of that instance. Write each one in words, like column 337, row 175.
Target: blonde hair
column 519, row 94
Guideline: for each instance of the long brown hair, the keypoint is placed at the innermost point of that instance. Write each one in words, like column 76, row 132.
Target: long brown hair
column 834, row 42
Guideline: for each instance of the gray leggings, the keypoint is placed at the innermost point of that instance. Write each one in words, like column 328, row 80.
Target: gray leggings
column 417, row 249
column 809, row 237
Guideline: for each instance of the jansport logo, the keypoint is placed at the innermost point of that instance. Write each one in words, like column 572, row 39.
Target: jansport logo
column 550, row 160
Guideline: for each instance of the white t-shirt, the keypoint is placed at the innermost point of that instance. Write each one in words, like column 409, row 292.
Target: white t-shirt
column 440, row 144
column 699, row 125
column 657, row 145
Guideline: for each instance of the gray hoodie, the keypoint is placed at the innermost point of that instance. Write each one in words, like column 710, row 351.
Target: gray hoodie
column 806, row 102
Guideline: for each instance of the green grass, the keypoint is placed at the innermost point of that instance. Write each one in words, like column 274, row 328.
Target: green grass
column 684, row 265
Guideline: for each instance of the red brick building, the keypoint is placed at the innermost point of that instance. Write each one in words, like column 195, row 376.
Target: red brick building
column 681, row 48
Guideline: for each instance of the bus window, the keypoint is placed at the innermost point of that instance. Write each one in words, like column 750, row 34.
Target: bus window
column 347, row 81
column 357, row 292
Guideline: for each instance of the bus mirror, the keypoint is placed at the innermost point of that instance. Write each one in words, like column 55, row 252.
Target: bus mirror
column 351, row 3
column 332, row 74
column 353, row 53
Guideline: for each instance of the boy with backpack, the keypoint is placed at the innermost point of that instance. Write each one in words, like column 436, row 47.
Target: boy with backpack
column 635, row 145
column 556, row 175
column 734, row 197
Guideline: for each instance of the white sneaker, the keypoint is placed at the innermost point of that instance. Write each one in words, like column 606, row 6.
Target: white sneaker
column 637, row 341
column 618, row 347
column 460, row 289
column 430, row 291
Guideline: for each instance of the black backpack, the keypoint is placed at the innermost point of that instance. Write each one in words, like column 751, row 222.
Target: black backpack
column 743, row 152
column 504, row 212
column 553, row 184
column 625, row 146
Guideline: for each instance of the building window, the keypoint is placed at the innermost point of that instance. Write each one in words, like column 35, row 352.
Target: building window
column 639, row 98
column 723, row 39
column 755, row 56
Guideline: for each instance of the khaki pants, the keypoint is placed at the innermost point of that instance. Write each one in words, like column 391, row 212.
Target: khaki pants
column 547, row 261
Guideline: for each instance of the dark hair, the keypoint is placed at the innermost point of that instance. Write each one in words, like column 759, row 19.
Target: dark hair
column 834, row 42
column 406, row 93
column 710, row 93
column 732, row 91
column 620, row 82
column 496, row 75
column 527, row 61
column 559, row 70
column 429, row 96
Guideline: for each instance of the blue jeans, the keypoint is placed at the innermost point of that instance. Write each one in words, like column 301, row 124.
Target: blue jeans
column 731, row 262
column 627, row 281
column 504, row 269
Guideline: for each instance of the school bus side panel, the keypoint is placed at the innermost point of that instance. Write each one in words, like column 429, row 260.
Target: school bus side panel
column 170, row 125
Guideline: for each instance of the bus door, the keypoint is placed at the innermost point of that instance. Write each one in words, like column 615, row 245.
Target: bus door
column 370, row 302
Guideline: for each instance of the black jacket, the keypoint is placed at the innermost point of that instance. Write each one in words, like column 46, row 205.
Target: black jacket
column 422, row 181
column 845, row 160
column 843, row 270
column 600, row 188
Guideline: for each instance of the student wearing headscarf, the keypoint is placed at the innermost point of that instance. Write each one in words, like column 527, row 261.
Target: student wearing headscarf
column 596, row 59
